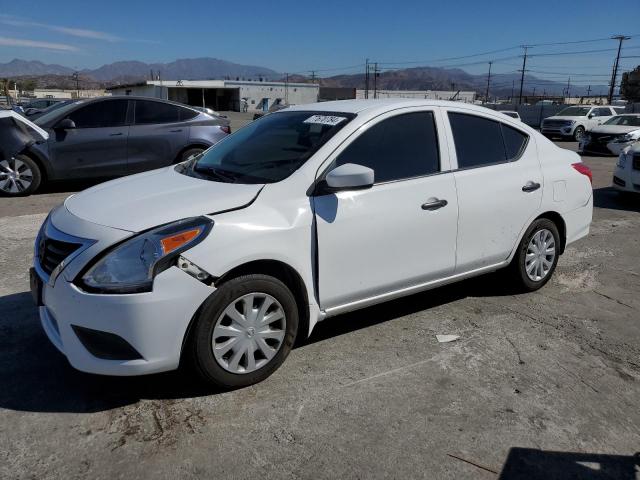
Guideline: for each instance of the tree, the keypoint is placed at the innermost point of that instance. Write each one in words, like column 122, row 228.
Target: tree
column 630, row 86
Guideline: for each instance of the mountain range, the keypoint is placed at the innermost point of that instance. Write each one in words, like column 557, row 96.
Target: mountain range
column 418, row 78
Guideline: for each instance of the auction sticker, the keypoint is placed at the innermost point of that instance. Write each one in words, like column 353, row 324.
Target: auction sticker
column 325, row 119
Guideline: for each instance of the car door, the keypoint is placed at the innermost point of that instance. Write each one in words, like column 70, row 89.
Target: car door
column 499, row 184
column 97, row 146
column 156, row 135
column 399, row 233
column 602, row 114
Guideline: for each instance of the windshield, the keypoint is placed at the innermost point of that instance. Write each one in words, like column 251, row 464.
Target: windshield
column 269, row 149
column 573, row 112
column 624, row 120
column 54, row 112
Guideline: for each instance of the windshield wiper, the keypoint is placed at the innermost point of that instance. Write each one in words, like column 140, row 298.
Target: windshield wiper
column 215, row 172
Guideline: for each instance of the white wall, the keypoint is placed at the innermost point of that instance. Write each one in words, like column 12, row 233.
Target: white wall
column 293, row 94
column 468, row 97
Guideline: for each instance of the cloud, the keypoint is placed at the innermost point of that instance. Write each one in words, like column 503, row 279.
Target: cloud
column 20, row 42
column 75, row 32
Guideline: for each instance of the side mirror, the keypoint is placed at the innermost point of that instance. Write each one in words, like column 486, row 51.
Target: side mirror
column 65, row 124
column 349, row 177
column 591, row 115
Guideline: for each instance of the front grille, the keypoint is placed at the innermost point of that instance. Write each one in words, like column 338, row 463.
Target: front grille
column 555, row 123
column 52, row 252
column 636, row 161
column 601, row 137
column 596, row 146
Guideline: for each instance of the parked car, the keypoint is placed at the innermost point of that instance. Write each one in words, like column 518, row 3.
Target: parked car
column 309, row 212
column 115, row 136
column 16, row 132
column 38, row 106
column 511, row 113
column 573, row 122
column 35, row 115
column 613, row 136
column 273, row 108
column 626, row 176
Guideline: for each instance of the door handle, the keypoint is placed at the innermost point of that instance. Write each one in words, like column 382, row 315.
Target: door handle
column 531, row 187
column 175, row 131
column 434, row 204
column 115, row 134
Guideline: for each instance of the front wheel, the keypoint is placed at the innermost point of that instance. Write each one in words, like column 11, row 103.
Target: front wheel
column 19, row 176
column 244, row 331
column 578, row 133
column 537, row 255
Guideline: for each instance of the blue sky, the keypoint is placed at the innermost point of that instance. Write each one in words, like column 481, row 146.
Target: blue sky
column 298, row 36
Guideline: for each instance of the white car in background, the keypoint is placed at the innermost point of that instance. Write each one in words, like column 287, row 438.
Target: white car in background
column 613, row 136
column 626, row 176
column 309, row 212
column 573, row 122
column 511, row 113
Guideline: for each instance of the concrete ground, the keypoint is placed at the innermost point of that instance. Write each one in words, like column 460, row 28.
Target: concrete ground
column 543, row 385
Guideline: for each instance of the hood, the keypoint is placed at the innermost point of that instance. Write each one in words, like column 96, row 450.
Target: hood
column 153, row 198
column 556, row 117
column 614, row 129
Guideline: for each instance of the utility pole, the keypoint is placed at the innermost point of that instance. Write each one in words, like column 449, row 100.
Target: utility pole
column 524, row 66
column 588, row 90
column 614, row 74
column 486, row 96
column 375, row 80
column 513, row 86
column 75, row 77
column 534, row 93
column 568, row 87
column 366, row 79
column 286, row 89
column 313, row 76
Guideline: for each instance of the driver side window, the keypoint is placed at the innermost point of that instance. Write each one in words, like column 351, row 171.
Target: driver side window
column 105, row 113
column 398, row 148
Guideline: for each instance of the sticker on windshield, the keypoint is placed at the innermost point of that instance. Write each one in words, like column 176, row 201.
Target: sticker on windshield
column 331, row 120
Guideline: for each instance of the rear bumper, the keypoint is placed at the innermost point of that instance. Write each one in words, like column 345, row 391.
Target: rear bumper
column 578, row 221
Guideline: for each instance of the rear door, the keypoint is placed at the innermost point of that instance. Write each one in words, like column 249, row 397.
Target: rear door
column 156, row 136
column 391, row 236
column 499, row 184
column 97, row 147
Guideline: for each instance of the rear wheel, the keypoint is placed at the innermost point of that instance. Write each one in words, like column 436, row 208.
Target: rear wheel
column 244, row 331
column 537, row 255
column 192, row 152
column 19, row 176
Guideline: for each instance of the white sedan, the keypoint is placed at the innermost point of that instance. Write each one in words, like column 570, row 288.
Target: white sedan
column 613, row 136
column 626, row 176
column 309, row 212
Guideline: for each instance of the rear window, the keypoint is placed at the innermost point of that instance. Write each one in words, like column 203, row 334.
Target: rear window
column 148, row 111
column 480, row 141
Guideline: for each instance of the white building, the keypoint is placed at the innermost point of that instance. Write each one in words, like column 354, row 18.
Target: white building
column 223, row 94
column 467, row 97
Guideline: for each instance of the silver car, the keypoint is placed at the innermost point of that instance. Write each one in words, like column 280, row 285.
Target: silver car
column 114, row 136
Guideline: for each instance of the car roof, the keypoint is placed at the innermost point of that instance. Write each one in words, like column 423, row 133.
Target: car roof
column 359, row 106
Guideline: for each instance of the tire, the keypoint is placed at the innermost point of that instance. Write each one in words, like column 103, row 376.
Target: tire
column 530, row 282
column 19, row 176
column 213, row 322
column 578, row 133
column 190, row 153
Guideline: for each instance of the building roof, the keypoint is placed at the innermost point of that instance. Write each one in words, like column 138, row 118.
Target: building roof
column 211, row 84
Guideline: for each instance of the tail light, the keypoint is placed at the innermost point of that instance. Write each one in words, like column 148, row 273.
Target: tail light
column 226, row 129
column 584, row 170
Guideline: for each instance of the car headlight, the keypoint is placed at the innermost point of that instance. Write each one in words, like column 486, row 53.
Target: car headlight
column 131, row 266
column 628, row 137
column 622, row 160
